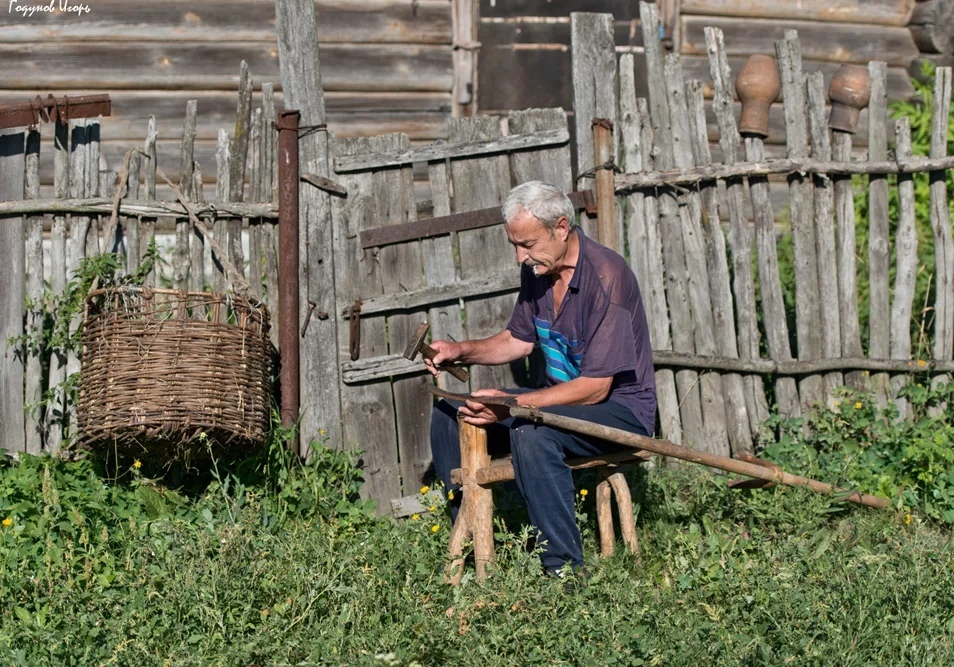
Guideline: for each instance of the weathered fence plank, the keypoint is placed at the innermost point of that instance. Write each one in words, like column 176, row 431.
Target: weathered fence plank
column 846, row 252
column 807, row 303
column 740, row 234
column 906, row 266
column 12, row 163
column 642, row 217
column 183, row 256
column 53, row 418
column 687, row 381
column 481, row 183
column 34, row 285
column 401, row 266
column 941, row 225
column 369, row 407
column 593, row 59
column 237, row 162
column 220, row 226
column 147, row 226
column 824, row 198
column 770, row 287
column 440, row 270
column 131, row 223
column 697, row 271
column 270, row 231
column 879, row 245
column 255, row 194
column 723, row 321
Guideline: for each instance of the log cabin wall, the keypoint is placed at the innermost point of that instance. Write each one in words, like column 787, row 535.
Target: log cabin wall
column 387, row 66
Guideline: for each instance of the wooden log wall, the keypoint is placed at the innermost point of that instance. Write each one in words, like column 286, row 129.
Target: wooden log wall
column 78, row 223
column 386, row 65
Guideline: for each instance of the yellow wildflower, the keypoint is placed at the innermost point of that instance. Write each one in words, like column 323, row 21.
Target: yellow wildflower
column 7, row 522
column 321, row 432
column 425, row 489
column 431, row 508
column 137, row 464
column 858, row 405
column 415, row 517
column 435, row 528
column 583, row 492
column 921, row 362
column 450, row 495
column 907, row 519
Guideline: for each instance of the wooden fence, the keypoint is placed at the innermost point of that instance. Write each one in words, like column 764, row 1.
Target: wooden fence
column 373, row 268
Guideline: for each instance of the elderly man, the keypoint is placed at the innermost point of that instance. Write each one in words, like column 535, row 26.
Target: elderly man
column 579, row 301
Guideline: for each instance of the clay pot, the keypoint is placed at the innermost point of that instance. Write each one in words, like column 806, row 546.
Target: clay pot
column 849, row 92
column 758, row 85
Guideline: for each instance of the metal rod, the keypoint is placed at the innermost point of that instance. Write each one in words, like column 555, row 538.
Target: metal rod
column 666, row 448
column 288, row 267
column 64, row 109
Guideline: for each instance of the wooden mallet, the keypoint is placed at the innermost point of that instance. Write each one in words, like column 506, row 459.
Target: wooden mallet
column 417, row 344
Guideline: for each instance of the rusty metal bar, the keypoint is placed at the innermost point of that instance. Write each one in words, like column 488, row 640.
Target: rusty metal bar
column 288, row 268
column 31, row 112
column 457, row 222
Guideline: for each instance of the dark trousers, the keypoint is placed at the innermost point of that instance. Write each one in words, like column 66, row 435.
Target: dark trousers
column 543, row 478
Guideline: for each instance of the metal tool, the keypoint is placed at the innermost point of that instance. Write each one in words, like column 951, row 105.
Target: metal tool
column 417, row 344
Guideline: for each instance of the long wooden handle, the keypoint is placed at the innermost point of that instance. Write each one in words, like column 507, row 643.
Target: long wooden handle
column 458, row 372
column 667, row 448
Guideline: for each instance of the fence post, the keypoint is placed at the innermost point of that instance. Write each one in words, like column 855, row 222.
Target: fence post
column 288, row 265
column 12, row 165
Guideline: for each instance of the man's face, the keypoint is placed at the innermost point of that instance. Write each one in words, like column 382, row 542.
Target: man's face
column 537, row 247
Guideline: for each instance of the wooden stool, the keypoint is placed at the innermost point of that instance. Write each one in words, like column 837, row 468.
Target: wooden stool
column 475, row 519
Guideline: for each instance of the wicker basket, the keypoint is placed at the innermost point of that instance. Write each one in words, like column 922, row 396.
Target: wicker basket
column 166, row 374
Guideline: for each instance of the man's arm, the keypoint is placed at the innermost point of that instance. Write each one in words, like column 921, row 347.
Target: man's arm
column 578, row 391
column 501, row 348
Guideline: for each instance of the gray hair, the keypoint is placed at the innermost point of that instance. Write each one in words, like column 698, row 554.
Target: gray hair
column 547, row 203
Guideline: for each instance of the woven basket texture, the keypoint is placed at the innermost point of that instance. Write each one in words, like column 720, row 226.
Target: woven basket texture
column 170, row 375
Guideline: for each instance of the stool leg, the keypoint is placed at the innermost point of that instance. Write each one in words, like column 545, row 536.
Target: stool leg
column 475, row 517
column 624, row 505
column 604, row 516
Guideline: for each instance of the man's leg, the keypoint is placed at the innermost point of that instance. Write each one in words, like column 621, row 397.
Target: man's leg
column 546, row 482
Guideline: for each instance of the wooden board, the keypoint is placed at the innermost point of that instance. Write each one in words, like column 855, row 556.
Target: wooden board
column 198, row 66
column 834, row 42
column 356, row 21
column 883, row 12
column 12, row 163
column 899, row 84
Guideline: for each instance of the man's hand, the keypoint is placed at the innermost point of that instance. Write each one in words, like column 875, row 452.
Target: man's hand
column 447, row 351
column 478, row 414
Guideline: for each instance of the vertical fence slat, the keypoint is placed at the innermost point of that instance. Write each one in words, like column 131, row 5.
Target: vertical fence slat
column 593, row 56
column 255, row 185
column 370, row 422
column 807, row 303
column 33, row 269
column 92, row 245
column 941, row 225
column 906, row 266
column 551, row 165
column 270, row 230
column 11, row 296
column 182, row 254
column 740, row 233
column 674, row 260
column 402, row 268
column 697, row 271
column 481, row 183
column 723, row 322
column 846, row 252
column 770, row 286
column 220, row 227
column 131, row 224
column 824, row 198
column 237, row 161
column 61, row 190
column 645, row 252
column 440, row 269
column 147, row 226
column 879, row 245
column 76, row 247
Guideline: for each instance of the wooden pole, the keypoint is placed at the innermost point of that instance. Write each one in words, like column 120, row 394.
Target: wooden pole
column 12, row 434
column 605, row 191
column 666, row 448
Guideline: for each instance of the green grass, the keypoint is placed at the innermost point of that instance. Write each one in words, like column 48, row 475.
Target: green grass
column 275, row 564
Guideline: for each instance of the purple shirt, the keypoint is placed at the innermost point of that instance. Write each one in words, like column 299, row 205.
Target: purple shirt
column 600, row 331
